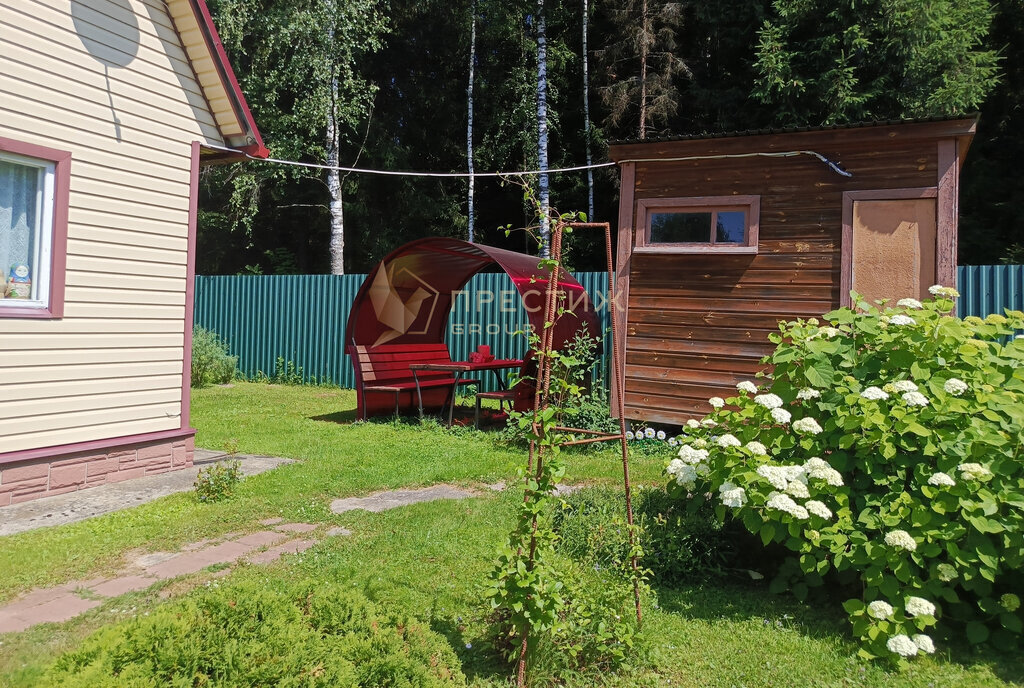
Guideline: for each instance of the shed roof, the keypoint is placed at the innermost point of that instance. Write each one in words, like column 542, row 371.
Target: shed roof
column 213, row 71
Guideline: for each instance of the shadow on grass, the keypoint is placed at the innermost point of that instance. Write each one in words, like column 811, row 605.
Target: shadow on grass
column 340, row 417
column 479, row 662
column 820, row 618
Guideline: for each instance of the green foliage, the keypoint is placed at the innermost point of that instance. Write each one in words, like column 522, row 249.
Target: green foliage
column 884, row 449
column 286, row 372
column 246, row 634
column 211, row 363
column 825, row 63
column 217, row 482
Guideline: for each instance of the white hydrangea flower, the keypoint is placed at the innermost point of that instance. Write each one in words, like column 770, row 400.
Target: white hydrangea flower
column 686, row 477
column 900, row 319
column 902, row 645
column 728, row 440
column 974, row 471
column 757, row 449
column 955, row 386
column 874, row 394
column 939, row 290
column 910, row 303
column 794, row 472
column 773, row 475
column 924, row 643
column 673, row 466
column 808, row 393
column 797, row 489
column 903, row 386
column 769, row 401
column 827, row 332
column 817, row 508
column 700, row 443
column 692, row 423
column 915, row 399
column 661, row 435
column 717, row 402
column 918, row 606
column 732, row 496
column 629, row 434
column 708, row 423
column 807, row 426
column 900, row 539
column 880, row 609
column 747, row 386
column 692, row 456
column 941, row 479
column 649, row 433
column 781, row 415
column 817, row 467
column 785, row 503
column 1010, row 602
column 947, row 573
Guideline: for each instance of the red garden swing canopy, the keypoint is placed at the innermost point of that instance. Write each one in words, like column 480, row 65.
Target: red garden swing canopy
column 401, row 312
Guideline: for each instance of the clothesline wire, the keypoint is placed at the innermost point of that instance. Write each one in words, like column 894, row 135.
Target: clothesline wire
column 526, row 173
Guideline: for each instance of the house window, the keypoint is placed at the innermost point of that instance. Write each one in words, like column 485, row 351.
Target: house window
column 725, row 224
column 33, row 212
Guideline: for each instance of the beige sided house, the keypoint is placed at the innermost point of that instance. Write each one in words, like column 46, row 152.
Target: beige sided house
column 106, row 111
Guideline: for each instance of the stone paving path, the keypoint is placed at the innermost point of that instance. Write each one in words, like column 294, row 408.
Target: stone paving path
column 392, row 499
column 71, row 599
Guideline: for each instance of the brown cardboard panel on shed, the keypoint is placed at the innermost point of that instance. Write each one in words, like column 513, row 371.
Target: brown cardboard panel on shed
column 696, row 324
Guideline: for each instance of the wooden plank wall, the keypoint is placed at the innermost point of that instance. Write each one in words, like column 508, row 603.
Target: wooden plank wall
column 698, row 324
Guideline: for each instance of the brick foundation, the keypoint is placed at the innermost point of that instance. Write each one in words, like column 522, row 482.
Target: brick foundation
column 20, row 482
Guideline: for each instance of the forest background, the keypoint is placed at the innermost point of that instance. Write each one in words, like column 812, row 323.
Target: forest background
column 442, row 85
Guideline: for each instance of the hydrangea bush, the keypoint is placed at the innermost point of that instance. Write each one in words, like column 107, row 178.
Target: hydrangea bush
column 884, row 446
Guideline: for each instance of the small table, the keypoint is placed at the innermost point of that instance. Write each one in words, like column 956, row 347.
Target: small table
column 460, row 368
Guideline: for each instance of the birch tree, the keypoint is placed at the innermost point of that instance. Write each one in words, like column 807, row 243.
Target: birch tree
column 469, row 120
column 543, row 187
column 586, row 113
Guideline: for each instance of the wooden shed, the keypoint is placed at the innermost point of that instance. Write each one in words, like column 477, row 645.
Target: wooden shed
column 721, row 237
column 108, row 109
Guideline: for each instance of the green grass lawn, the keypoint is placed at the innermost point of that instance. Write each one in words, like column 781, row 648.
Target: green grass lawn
column 431, row 559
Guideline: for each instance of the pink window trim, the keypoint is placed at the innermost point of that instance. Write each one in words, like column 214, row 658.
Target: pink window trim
column 59, row 244
column 645, row 207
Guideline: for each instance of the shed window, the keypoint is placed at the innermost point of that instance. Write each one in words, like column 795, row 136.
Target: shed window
column 34, row 184
column 698, row 225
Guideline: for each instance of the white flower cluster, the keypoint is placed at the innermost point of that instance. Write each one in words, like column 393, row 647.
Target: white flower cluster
column 974, row 471
column 692, row 423
column 708, row 423
column 941, row 479
column 781, row 415
column 747, row 386
column 781, row 476
column 716, row 402
column 769, row 401
column 757, row 449
column 816, row 467
column 900, row 319
column 700, row 443
column 732, row 496
column 808, row 393
column 874, row 394
column 939, row 290
column 785, row 503
column 918, row 606
column 924, row 643
column 902, row 645
column 807, row 426
column 817, row 508
column 955, row 386
column 826, row 332
column 902, row 386
column 900, row 539
column 915, row 399
column 880, row 609
column 910, row 303
column 798, row 489
column 947, row 573
column 728, row 440
column 692, row 456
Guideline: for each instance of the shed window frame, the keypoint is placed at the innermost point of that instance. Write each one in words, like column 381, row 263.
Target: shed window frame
column 646, row 208
column 50, row 254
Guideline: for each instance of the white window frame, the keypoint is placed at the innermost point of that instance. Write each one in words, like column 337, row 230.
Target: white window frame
column 42, row 258
column 647, row 207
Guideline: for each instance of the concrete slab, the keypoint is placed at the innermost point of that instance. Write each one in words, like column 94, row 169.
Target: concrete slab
column 296, row 527
column 338, row 531
column 94, row 501
column 62, row 608
column 382, row 501
column 275, row 553
column 124, row 584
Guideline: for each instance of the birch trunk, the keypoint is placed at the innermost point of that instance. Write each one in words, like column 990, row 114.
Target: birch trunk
column 543, row 189
column 334, row 187
column 586, row 114
column 469, row 122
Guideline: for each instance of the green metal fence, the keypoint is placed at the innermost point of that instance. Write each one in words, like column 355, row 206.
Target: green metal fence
column 301, row 318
